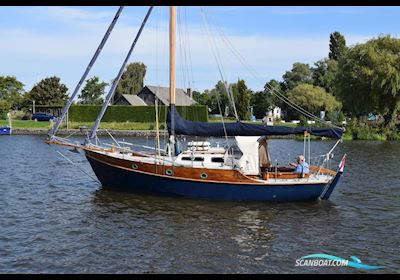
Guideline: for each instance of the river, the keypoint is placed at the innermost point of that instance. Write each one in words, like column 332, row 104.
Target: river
column 56, row 219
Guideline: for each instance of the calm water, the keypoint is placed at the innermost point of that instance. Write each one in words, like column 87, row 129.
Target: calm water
column 55, row 219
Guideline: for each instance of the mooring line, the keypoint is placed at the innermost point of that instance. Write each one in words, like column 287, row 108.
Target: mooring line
column 73, row 163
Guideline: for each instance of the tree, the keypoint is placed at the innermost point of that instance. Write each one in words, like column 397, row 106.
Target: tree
column 201, row 98
column 91, row 93
column 324, row 72
column 211, row 102
column 132, row 80
column 273, row 88
column 337, row 46
column 313, row 99
column 11, row 90
column 218, row 95
column 264, row 101
column 48, row 91
column 221, row 90
column 242, row 99
column 368, row 79
column 300, row 74
column 261, row 104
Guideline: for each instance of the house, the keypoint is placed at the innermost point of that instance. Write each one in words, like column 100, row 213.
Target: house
column 276, row 113
column 272, row 115
column 182, row 98
column 130, row 99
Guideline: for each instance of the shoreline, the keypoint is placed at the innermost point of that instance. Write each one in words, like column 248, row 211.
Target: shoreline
column 82, row 132
column 103, row 132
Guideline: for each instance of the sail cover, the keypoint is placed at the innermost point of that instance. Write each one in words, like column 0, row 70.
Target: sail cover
column 184, row 127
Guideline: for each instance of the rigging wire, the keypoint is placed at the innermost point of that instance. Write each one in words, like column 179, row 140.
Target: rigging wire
column 271, row 89
column 189, row 65
column 191, row 80
column 164, row 17
column 77, row 166
column 184, row 50
column 116, row 80
column 53, row 130
column 218, row 61
column 219, row 106
column 227, row 87
column 181, row 56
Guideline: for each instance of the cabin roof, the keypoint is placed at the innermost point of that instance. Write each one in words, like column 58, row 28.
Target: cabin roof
column 133, row 100
column 162, row 93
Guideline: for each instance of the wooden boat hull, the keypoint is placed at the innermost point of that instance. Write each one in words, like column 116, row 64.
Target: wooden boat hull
column 117, row 177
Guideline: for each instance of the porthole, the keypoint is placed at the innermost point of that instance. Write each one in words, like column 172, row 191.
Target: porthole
column 168, row 172
column 203, row 175
column 134, row 166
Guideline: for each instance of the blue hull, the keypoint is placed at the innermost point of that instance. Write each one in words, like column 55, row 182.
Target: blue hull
column 5, row 131
column 140, row 182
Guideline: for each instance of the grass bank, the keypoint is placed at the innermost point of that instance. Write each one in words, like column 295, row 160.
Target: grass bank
column 25, row 124
column 117, row 125
column 76, row 125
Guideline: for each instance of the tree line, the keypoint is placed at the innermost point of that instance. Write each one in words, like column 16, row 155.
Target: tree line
column 311, row 88
column 51, row 91
column 352, row 80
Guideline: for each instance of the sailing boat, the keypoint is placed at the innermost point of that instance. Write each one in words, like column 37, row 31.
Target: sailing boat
column 6, row 130
column 242, row 171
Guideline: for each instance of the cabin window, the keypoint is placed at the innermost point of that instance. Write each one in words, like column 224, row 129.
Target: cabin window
column 203, row 175
column 235, row 151
column 217, row 159
column 195, row 159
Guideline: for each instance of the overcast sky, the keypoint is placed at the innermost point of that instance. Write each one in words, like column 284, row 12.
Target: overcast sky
column 38, row 42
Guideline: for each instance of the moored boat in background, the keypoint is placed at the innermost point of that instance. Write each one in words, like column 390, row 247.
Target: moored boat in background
column 6, row 130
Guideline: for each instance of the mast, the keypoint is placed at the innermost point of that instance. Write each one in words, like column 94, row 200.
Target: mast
column 172, row 76
column 9, row 121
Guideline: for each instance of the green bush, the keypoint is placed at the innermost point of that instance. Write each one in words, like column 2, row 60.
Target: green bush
column 369, row 131
column 303, row 121
column 392, row 135
column 119, row 113
column 341, row 117
column 18, row 115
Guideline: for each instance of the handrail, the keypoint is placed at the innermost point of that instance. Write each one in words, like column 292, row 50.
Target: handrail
column 328, row 155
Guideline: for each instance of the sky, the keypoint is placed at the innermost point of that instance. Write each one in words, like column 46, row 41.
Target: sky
column 251, row 43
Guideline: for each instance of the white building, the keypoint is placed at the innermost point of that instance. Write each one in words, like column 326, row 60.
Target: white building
column 276, row 113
